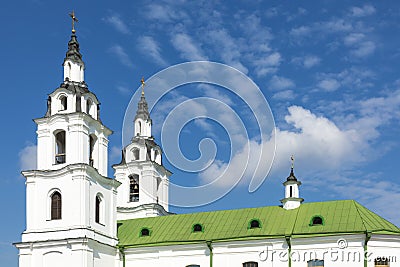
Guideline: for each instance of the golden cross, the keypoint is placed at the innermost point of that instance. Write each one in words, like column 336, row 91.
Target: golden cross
column 292, row 159
column 143, row 85
column 74, row 19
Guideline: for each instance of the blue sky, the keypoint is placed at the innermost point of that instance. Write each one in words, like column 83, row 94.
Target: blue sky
column 328, row 69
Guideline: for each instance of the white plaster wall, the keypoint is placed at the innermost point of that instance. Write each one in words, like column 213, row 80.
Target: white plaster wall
column 79, row 252
column 168, row 256
column 78, row 187
column 77, row 127
column 73, row 71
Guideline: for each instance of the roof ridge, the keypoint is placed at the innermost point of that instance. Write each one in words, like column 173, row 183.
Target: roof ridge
column 358, row 212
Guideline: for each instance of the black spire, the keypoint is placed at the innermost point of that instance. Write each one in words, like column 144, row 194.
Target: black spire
column 73, row 53
column 291, row 176
column 143, row 110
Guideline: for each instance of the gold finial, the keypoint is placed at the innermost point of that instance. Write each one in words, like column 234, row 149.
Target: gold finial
column 74, row 19
column 292, row 159
column 143, row 85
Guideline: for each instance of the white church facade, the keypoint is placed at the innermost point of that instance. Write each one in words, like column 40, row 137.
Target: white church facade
column 78, row 216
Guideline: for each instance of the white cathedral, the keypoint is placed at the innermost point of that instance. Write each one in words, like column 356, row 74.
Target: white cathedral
column 78, row 216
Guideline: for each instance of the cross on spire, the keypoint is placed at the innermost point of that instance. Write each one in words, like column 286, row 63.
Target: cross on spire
column 292, row 159
column 74, row 19
column 143, row 85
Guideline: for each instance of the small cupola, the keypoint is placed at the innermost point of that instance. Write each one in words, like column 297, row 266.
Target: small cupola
column 292, row 198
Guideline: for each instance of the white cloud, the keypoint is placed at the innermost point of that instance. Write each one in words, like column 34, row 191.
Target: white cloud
column 124, row 90
column 187, row 47
column 122, row 56
column 350, row 79
column 117, row 23
column 329, row 85
column 163, row 13
column 366, row 10
column 364, row 49
column 149, row 46
column 301, row 31
column 353, row 38
column 284, row 95
column 307, row 62
column 227, row 48
column 267, row 64
column 28, row 157
column 316, row 141
column 280, row 83
column 360, row 46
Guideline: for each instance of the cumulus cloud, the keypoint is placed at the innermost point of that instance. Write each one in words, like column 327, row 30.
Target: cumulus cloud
column 121, row 55
column 320, row 145
column 116, row 21
column 28, row 157
column 148, row 46
column 318, row 141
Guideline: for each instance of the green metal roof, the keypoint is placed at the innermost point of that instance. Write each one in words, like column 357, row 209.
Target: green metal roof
column 339, row 217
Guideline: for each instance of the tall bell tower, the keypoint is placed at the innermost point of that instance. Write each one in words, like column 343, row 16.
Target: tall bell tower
column 144, row 180
column 70, row 201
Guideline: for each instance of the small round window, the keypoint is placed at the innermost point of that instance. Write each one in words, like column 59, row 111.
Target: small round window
column 145, row 232
column 254, row 224
column 197, row 228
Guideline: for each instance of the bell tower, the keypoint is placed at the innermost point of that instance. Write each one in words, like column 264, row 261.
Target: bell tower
column 144, row 180
column 70, row 201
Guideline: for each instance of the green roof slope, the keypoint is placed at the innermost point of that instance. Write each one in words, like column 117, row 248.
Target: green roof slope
column 346, row 216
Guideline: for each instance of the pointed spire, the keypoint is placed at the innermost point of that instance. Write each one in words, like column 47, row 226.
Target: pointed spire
column 143, row 110
column 73, row 46
column 291, row 176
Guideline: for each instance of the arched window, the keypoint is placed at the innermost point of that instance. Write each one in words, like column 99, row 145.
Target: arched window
column 250, row 264
column 197, row 228
column 193, row 265
column 140, row 128
column 69, row 70
column 60, row 147
column 381, row 262
column 254, row 224
column 88, row 106
column 55, row 206
column 156, row 155
column 98, row 208
column 315, row 263
column 145, row 232
column 135, row 154
column 133, row 188
column 63, row 102
column 291, row 191
column 316, row 220
column 92, row 142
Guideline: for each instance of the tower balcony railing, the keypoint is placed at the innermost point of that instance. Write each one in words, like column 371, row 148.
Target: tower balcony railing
column 60, row 158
